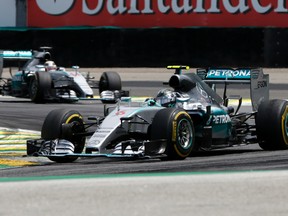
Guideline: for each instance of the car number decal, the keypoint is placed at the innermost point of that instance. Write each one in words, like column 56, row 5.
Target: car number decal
column 121, row 112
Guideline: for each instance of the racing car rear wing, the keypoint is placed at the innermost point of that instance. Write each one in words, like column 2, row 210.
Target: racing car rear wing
column 13, row 55
column 258, row 81
column 216, row 75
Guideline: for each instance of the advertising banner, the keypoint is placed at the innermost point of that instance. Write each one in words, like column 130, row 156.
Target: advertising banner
column 157, row 13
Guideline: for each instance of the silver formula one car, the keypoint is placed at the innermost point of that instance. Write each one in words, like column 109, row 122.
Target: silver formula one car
column 188, row 117
column 41, row 80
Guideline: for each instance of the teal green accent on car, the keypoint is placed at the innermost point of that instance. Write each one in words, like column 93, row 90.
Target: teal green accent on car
column 17, row 81
column 16, row 54
column 221, row 123
column 229, row 74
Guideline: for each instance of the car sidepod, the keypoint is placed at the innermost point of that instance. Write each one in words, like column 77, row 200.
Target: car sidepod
column 221, row 123
column 213, row 128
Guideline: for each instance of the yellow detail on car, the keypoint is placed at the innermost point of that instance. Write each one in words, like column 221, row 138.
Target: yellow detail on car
column 73, row 116
column 284, row 120
column 178, row 67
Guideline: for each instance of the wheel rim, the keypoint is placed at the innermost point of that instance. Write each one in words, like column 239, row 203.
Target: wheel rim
column 78, row 141
column 185, row 134
column 34, row 88
column 286, row 125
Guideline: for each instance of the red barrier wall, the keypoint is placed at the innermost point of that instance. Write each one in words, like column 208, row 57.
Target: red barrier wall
column 157, row 13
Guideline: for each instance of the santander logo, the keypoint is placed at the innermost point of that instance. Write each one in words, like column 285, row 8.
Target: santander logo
column 115, row 7
column 158, row 13
column 55, row 7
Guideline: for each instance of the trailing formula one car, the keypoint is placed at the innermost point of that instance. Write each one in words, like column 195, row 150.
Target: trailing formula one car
column 42, row 81
column 188, row 117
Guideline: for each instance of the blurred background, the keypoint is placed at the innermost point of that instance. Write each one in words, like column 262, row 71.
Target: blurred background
column 150, row 33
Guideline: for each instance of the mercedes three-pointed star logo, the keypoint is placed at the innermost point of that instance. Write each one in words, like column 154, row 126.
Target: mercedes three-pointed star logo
column 55, row 7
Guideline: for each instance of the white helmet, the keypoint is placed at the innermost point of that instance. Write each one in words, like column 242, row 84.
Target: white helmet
column 166, row 97
column 50, row 65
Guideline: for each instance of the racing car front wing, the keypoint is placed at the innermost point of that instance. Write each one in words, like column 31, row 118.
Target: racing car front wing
column 125, row 149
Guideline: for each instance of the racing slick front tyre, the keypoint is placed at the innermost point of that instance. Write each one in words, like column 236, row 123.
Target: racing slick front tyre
column 272, row 125
column 110, row 81
column 176, row 127
column 39, row 87
column 53, row 129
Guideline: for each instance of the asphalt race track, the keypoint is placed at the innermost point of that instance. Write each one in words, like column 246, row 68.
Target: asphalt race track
column 242, row 180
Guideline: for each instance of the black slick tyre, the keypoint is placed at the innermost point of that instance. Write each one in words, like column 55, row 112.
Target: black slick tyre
column 39, row 87
column 176, row 126
column 110, row 81
column 52, row 129
column 272, row 125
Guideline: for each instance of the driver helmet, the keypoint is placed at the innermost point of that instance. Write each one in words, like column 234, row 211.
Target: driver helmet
column 166, row 98
column 50, row 65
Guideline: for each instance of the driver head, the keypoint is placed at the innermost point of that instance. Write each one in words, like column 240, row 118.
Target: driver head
column 50, row 65
column 166, row 98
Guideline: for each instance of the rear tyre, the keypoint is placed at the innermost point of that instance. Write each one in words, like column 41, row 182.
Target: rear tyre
column 39, row 87
column 176, row 126
column 52, row 129
column 272, row 125
column 110, row 81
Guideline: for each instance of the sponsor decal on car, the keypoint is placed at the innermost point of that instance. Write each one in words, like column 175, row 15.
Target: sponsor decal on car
column 221, row 119
column 16, row 54
column 262, row 84
column 228, row 74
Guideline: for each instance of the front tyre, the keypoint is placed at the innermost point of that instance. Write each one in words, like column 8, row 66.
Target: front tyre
column 110, row 81
column 52, row 129
column 176, row 126
column 39, row 87
column 272, row 125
